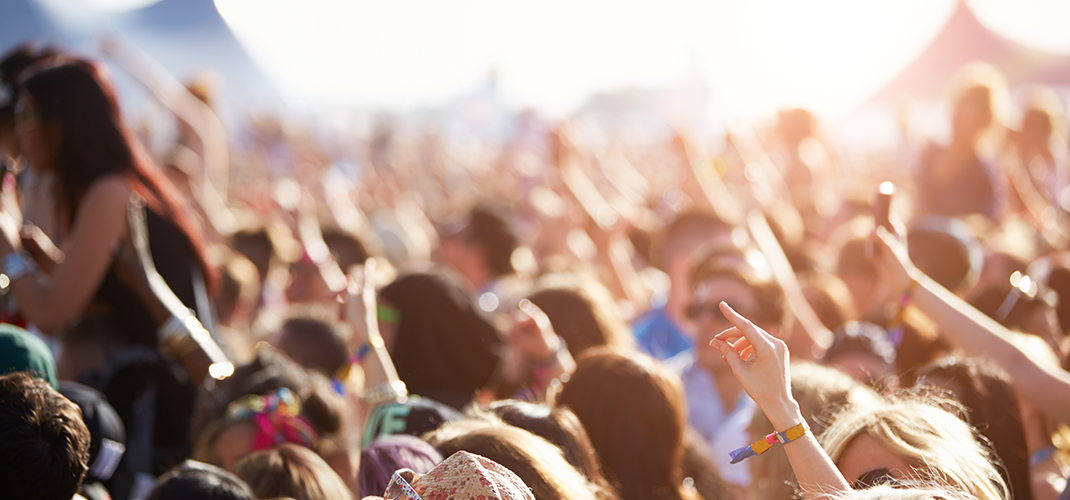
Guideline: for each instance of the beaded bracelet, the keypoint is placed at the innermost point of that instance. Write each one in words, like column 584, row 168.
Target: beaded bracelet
column 180, row 335
column 762, row 445
column 388, row 391
column 896, row 326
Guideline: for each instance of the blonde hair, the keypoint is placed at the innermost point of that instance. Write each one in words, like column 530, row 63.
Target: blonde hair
column 938, row 445
column 919, row 492
column 817, row 388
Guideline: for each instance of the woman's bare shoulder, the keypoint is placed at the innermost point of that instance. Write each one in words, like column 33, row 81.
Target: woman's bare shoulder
column 110, row 189
column 107, row 198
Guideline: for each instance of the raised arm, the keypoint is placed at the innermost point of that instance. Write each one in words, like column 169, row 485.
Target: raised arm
column 760, row 362
column 971, row 330
column 198, row 116
column 381, row 381
column 52, row 304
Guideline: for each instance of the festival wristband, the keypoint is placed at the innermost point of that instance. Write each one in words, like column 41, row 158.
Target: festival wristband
column 762, row 445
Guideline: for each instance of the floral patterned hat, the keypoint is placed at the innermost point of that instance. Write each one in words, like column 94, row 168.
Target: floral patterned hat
column 462, row 476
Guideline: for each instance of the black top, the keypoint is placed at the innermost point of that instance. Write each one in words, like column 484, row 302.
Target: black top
column 175, row 261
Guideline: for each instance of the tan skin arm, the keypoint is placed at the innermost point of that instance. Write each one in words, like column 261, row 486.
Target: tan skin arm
column 972, row 331
column 360, row 312
column 89, row 247
column 760, row 362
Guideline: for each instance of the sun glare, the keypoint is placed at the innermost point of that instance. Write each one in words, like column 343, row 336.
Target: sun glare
column 754, row 57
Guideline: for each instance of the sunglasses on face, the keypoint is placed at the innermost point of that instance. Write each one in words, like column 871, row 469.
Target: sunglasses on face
column 875, row 477
column 698, row 311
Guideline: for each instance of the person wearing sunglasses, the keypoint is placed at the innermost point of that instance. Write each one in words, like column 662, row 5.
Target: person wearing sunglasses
column 760, row 362
column 718, row 408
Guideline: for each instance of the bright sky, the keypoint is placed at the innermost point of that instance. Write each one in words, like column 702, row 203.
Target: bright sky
column 755, row 55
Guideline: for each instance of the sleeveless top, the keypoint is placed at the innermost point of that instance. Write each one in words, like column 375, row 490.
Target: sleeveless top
column 175, row 260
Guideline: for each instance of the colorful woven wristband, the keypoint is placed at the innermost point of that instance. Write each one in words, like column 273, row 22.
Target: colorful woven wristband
column 762, row 445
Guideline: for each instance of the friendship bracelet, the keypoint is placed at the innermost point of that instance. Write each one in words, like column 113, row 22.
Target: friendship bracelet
column 382, row 393
column 895, row 327
column 762, row 445
column 359, row 355
column 1042, row 455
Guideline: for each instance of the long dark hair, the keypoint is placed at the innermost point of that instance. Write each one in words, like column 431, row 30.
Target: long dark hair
column 77, row 95
column 633, row 411
column 992, row 407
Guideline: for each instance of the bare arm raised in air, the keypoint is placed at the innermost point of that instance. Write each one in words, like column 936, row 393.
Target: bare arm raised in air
column 971, row 330
column 760, row 362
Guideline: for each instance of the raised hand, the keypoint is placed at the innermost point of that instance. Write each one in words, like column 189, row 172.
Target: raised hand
column 359, row 305
column 532, row 334
column 891, row 259
column 760, row 362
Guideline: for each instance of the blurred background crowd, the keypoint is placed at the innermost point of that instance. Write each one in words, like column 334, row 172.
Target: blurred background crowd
column 211, row 290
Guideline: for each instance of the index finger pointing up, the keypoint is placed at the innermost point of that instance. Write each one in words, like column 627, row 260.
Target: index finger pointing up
column 758, row 338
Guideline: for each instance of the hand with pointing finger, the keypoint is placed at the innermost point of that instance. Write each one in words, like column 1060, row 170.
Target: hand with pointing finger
column 760, row 362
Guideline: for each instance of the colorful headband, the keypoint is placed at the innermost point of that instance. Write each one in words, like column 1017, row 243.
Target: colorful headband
column 277, row 417
column 762, row 445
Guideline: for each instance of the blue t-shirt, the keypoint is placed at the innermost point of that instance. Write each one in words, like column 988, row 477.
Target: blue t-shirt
column 659, row 336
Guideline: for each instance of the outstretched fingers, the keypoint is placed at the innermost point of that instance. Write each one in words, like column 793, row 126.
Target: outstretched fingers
column 759, row 339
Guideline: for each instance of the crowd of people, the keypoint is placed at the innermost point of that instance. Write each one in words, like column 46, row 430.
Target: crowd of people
column 552, row 315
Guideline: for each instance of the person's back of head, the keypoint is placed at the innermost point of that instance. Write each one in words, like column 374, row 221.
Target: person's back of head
column 45, row 446
column 481, row 243
column 199, row 481
column 315, row 342
column 829, row 296
column 239, row 288
column 685, row 234
column 257, row 246
column 492, row 229
column 581, row 311
column 266, row 376
column 21, row 351
column 443, row 346
column 293, row 471
column 992, row 407
column 107, row 434
column 347, row 248
column 864, row 351
column 698, row 467
column 637, row 427
column 380, row 459
column 944, row 250
column 559, row 426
